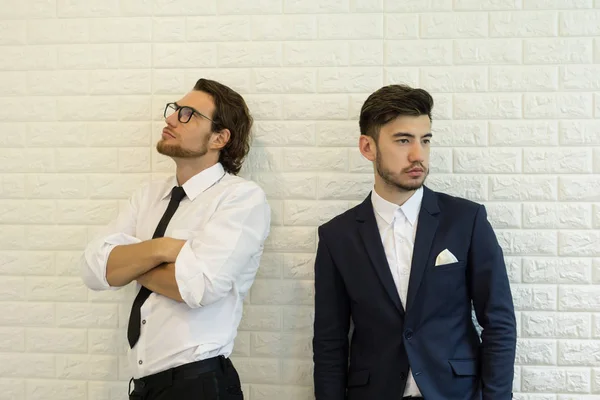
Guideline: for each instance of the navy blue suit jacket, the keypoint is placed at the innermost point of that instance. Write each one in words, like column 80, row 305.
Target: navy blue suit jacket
column 433, row 333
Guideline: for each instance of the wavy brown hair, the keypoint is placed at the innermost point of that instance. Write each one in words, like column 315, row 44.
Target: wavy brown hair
column 231, row 112
column 391, row 102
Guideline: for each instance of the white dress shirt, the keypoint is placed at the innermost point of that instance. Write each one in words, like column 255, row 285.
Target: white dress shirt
column 225, row 221
column 397, row 227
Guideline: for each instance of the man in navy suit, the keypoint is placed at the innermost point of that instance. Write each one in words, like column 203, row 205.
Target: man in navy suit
column 407, row 266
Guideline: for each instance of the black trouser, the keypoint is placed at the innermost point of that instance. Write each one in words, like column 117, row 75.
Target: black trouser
column 212, row 379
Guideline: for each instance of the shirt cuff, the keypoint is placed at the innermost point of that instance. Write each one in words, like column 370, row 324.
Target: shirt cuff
column 95, row 274
column 189, row 277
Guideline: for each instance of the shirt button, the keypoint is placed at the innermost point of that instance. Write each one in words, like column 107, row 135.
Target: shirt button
column 144, row 322
column 140, row 362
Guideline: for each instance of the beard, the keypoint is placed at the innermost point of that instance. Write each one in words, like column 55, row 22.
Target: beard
column 176, row 151
column 394, row 180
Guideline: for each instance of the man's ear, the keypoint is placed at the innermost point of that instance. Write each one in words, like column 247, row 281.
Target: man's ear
column 220, row 139
column 367, row 147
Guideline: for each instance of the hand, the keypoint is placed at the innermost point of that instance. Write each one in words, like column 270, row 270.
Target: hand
column 169, row 248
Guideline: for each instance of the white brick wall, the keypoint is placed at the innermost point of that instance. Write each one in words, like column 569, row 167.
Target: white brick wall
column 517, row 127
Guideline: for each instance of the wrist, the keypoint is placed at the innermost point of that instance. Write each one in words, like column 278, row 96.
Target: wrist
column 159, row 250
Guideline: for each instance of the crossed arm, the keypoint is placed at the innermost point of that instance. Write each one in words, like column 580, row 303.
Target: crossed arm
column 209, row 262
column 151, row 263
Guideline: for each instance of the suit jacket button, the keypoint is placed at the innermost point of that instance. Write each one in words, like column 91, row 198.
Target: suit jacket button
column 408, row 334
column 402, row 376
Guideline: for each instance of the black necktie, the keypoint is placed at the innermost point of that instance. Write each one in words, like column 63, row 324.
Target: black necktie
column 133, row 329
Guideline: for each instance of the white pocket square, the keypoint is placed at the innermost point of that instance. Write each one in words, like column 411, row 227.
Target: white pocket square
column 445, row 257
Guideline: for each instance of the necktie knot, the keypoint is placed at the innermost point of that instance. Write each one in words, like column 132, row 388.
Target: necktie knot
column 178, row 193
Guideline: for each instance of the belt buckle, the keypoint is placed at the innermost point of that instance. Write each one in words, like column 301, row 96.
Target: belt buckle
column 138, row 384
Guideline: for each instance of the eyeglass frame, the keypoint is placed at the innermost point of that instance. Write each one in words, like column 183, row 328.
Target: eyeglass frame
column 178, row 109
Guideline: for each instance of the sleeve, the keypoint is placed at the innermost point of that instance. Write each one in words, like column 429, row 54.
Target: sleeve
column 119, row 231
column 331, row 327
column 221, row 254
column 493, row 303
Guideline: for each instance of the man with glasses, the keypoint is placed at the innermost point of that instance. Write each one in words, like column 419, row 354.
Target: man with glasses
column 192, row 243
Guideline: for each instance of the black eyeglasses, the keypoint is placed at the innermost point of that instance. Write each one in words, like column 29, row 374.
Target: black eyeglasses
column 184, row 113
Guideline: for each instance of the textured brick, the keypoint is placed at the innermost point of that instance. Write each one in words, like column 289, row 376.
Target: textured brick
column 490, row 106
column 188, row 55
column 536, row 352
column 291, row 239
column 315, row 54
column 349, row 80
column 315, row 107
column 580, row 77
column 565, row 161
column 418, row 6
column 536, row 379
column 580, row 23
column 191, row 8
column 534, row 297
column 215, row 29
column 523, row 78
column 26, row 263
column 311, row 212
column 401, row 26
column 523, row 24
column 469, row 186
column 283, row 27
column 550, row 105
column 579, row 133
column 168, row 29
column 263, row 318
column 418, row 52
column 27, row 365
column 67, row 390
column 454, row 79
column 552, row 215
column 90, row 367
column 266, row 392
column 523, row 188
column 120, row 30
column 504, row 215
column 581, row 188
column 488, row 51
column 558, row 51
column 559, row 4
column 309, row 7
column 350, row 26
column 487, row 161
column 249, row 8
column 527, row 242
column 287, row 344
column 62, row 340
column 365, row 52
column 275, row 133
column 453, row 25
column 523, row 133
column 459, row 133
column 579, row 298
column 28, row 58
column 556, row 270
column 486, row 4
column 579, row 243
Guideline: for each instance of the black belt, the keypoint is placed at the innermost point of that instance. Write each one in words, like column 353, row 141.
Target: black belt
column 186, row 371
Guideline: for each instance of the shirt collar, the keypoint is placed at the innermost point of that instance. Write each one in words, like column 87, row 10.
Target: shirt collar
column 197, row 183
column 387, row 210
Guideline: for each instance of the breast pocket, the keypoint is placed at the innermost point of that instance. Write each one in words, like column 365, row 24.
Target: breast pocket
column 451, row 266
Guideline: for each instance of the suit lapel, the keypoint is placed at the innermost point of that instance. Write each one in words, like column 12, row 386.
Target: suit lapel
column 426, row 229
column 371, row 238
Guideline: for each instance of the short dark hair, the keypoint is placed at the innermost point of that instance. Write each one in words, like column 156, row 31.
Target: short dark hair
column 391, row 102
column 231, row 112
